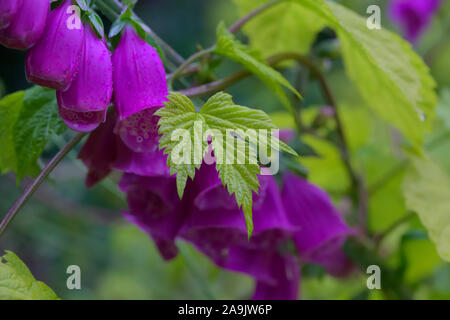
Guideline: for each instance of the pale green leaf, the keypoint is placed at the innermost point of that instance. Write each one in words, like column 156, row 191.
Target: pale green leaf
column 17, row 282
column 327, row 169
column 391, row 78
column 427, row 192
column 231, row 48
column 288, row 26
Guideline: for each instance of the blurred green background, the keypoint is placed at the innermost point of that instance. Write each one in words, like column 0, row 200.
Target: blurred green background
column 66, row 224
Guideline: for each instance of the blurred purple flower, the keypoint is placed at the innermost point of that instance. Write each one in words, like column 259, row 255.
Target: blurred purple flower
column 8, row 9
column 138, row 74
column 209, row 218
column 91, row 90
column 53, row 62
column 322, row 231
column 287, row 135
column 26, row 26
column 413, row 16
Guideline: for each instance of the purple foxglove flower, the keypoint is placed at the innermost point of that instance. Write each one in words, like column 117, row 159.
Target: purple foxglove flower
column 413, row 16
column 140, row 131
column 322, row 230
column 26, row 26
column 155, row 207
column 53, row 62
column 286, row 270
column 138, row 75
column 91, row 89
column 8, row 9
column 81, row 121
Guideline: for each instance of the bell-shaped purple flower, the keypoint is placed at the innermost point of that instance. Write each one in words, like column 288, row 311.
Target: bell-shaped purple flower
column 91, row 89
column 322, row 231
column 138, row 75
column 53, row 62
column 413, row 16
column 8, row 9
column 22, row 22
column 140, row 130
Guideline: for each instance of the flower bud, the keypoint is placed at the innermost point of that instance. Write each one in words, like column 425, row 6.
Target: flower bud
column 25, row 27
column 138, row 75
column 91, row 90
column 53, row 62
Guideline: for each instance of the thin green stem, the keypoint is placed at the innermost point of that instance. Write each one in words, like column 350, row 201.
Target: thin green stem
column 176, row 74
column 238, row 25
column 379, row 237
column 38, row 181
column 109, row 12
column 190, row 264
column 112, row 10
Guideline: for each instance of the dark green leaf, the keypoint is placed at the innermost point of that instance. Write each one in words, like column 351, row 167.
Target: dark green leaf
column 37, row 122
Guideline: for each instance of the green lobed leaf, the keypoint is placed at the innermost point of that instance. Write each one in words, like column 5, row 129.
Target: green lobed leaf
column 220, row 114
column 10, row 107
column 37, row 122
column 231, row 48
column 427, row 192
column 178, row 113
column 390, row 76
column 17, row 282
